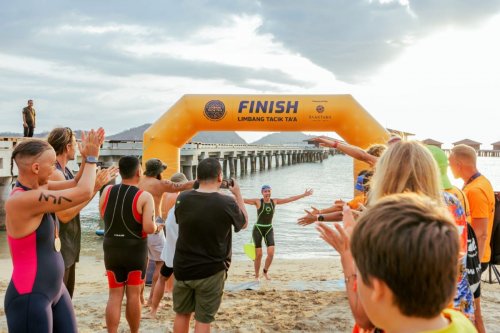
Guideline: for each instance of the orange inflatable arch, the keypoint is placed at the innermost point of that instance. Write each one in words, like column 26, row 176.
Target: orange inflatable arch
column 273, row 113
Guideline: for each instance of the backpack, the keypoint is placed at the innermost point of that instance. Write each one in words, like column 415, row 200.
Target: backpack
column 473, row 264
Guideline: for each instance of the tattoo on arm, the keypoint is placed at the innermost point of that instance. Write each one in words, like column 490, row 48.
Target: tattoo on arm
column 56, row 200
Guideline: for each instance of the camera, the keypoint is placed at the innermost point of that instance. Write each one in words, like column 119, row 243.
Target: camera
column 226, row 183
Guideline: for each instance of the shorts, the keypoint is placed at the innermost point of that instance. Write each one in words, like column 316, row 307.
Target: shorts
column 266, row 233
column 156, row 243
column 166, row 271
column 125, row 261
column 203, row 296
column 477, row 293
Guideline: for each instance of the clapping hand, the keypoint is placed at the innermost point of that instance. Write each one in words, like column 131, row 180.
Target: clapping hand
column 307, row 219
column 104, row 176
column 91, row 142
column 336, row 238
column 348, row 219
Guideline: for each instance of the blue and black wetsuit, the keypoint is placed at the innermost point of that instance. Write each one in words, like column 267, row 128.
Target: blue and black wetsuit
column 36, row 299
column 263, row 229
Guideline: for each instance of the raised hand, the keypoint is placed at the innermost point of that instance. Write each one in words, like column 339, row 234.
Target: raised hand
column 101, row 134
column 348, row 219
column 307, row 219
column 326, row 142
column 104, row 176
column 336, row 238
column 315, row 210
column 91, row 142
column 339, row 202
column 308, row 192
column 235, row 189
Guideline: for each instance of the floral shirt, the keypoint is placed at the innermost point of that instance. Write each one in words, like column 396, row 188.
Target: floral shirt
column 463, row 300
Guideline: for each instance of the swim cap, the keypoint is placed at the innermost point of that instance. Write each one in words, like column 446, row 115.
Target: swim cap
column 442, row 163
column 265, row 187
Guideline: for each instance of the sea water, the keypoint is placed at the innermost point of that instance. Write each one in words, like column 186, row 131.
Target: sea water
column 331, row 180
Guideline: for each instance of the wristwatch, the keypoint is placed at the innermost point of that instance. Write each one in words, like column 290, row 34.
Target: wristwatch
column 91, row 160
column 321, row 218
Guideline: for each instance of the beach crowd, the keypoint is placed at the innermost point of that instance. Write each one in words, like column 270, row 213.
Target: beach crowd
column 412, row 246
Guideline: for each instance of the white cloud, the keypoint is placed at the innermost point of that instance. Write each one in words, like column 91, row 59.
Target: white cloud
column 444, row 86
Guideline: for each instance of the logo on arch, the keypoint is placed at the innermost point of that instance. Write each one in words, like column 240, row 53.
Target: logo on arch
column 215, row 110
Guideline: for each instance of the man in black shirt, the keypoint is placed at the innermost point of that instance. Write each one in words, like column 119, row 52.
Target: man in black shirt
column 203, row 250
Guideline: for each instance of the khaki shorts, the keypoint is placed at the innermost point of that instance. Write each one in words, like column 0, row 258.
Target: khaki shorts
column 203, row 296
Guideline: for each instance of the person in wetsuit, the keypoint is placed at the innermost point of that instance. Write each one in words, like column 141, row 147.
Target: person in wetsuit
column 128, row 214
column 263, row 228
column 63, row 140
column 36, row 299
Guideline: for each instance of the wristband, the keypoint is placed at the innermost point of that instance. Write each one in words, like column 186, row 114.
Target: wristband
column 350, row 277
column 335, row 144
column 321, row 218
column 91, row 160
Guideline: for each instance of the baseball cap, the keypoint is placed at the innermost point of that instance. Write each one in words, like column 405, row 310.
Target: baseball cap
column 179, row 177
column 442, row 162
column 154, row 167
column 265, row 187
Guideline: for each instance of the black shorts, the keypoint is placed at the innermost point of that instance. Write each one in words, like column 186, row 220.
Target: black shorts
column 266, row 233
column 125, row 260
column 166, row 271
column 477, row 293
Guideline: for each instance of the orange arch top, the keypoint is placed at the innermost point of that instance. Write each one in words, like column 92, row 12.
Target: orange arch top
column 277, row 113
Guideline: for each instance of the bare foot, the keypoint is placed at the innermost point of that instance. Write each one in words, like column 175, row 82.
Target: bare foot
column 266, row 275
column 150, row 315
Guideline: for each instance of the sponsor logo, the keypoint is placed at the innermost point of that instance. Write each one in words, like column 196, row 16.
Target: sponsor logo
column 320, row 115
column 215, row 110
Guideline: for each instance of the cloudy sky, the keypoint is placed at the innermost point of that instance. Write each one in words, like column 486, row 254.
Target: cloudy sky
column 427, row 67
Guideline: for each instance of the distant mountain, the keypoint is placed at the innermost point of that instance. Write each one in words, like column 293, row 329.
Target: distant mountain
column 20, row 135
column 136, row 133
column 284, row 138
column 218, row 137
column 37, row 135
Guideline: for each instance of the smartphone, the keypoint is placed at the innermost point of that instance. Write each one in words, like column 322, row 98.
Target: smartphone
column 226, row 183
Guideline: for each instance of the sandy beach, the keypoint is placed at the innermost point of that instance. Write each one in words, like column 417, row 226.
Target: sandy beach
column 304, row 296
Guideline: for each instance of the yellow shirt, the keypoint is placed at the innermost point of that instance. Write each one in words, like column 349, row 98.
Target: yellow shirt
column 482, row 205
column 458, row 323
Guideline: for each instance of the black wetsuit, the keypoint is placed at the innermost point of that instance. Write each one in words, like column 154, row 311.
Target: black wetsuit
column 71, row 235
column 125, row 243
column 36, row 299
column 263, row 229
